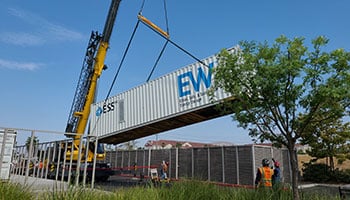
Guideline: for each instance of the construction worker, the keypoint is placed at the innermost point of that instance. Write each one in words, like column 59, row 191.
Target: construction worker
column 276, row 178
column 135, row 169
column 41, row 165
column 164, row 170
column 264, row 175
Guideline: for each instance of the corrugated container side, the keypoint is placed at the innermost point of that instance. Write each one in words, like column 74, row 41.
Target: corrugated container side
column 182, row 91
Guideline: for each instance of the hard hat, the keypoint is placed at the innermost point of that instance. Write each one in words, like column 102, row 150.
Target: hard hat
column 265, row 162
column 277, row 164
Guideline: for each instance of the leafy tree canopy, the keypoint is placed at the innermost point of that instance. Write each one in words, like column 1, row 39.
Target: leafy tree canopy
column 35, row 142
column 281, row 88
column 329, row 139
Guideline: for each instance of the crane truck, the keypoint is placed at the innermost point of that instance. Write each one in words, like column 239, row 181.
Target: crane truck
column 73, row 151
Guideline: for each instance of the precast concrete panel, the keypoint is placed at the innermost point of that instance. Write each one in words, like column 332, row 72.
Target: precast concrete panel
column 182, row 91
column 185, row 163
column 7, row 141
column 238, row 166
column 231, row 165
column 245, row 165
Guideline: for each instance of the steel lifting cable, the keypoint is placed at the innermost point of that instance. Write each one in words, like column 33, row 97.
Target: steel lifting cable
column 156, row 63
column 162, row 33
column 166, row 17
column 118, row 70
column 165, row 44
column 165, row 35
column 122, row 60
column 184, row 50
column 142, row 5
column 179, row 47
column 125, row 52
column 120, row 64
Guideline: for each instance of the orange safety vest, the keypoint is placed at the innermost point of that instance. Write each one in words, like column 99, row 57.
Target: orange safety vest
column 165, row 168
column 40, row 165
column 266, row 176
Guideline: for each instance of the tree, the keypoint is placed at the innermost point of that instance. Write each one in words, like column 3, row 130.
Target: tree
column 329, row 140
column 279, row 89
column 178, row 145
column 28, row 141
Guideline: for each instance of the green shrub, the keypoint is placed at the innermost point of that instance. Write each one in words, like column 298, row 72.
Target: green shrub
column 301, row 152
column 316, row 172
column 341, row 176
column 322, row 173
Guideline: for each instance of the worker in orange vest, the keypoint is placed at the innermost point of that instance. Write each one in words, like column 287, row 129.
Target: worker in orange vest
column 164, row 170
column 264, row 175
column 41, row 165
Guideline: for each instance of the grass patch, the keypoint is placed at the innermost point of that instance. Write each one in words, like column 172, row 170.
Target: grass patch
column 14, row 191
column 77, row 194
column 184, row 190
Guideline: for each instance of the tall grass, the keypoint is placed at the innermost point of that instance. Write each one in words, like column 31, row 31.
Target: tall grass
column 14, row 191
column 183, row 190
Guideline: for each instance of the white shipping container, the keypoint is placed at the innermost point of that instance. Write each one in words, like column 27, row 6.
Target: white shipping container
column 182, row 91
column 7, row 140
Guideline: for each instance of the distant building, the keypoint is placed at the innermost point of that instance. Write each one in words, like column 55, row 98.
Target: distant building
column 168, row 144
column 223, row 144
column 298, row 147
column 302, row 148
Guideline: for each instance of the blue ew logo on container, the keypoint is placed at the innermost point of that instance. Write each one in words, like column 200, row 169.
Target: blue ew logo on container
column 186, row 79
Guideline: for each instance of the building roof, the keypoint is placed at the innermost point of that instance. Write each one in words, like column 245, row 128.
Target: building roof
column 175, row 143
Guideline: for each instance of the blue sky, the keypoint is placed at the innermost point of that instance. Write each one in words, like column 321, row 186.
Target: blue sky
column 43, row 44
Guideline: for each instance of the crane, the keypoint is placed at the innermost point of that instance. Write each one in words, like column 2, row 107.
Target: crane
column 85, row 95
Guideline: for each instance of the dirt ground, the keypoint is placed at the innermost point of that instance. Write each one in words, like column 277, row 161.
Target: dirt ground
column 304, row 158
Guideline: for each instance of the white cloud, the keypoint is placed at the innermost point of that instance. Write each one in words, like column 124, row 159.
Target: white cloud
column 45, row 31
column 21, row 39
column 31, row 66
column 61, row 33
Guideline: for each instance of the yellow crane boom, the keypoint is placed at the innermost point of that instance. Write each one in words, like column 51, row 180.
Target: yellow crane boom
column 85, row 93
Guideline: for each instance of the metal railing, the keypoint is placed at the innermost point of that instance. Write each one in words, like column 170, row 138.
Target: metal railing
column 36, row 154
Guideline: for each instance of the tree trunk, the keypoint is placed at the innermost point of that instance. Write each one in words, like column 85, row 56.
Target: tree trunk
column 295, row 171
column 331, row 163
